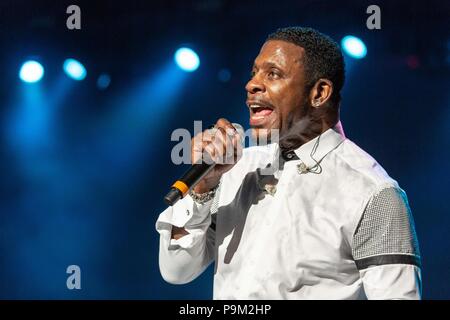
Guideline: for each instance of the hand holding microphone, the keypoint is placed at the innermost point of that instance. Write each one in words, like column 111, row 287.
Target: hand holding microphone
column 213, row 152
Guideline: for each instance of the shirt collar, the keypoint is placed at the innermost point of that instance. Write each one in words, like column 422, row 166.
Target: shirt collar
column 316, row 149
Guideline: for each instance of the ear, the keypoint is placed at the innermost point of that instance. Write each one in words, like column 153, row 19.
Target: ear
column 321, row 92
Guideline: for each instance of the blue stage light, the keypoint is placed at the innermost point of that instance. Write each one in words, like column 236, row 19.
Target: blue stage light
column 103, row 81
column 74, row 69
column 354, row 47
column 187, row 59
column 31, row 71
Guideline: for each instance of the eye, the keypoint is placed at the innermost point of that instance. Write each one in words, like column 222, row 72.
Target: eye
column 252, row 74
column 274, row 74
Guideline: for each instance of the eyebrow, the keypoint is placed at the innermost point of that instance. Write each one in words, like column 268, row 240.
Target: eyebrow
column 268, row 65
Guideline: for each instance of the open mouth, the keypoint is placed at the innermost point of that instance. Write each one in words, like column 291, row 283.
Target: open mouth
column 259, row 113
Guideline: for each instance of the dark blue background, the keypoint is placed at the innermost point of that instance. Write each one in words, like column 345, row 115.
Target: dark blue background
column 83, row 170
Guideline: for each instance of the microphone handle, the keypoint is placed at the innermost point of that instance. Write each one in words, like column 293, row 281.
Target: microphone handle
column 189, row 179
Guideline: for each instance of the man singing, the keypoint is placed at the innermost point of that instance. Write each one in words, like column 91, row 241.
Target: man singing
column 310, row 216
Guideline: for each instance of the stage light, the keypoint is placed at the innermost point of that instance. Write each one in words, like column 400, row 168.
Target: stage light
column 31, row 71
column 354, row 47
column 74, row 69
column 187, row 59
column 103, row 81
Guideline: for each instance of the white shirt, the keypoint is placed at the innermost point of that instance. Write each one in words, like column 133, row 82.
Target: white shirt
column 341, row 230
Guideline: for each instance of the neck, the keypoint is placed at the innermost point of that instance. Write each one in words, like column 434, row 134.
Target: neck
column 307, row 128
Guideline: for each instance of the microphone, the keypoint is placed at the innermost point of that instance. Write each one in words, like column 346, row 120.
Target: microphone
column 192, row 176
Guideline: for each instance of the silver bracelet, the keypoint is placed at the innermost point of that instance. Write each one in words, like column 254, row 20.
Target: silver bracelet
column 202, row 198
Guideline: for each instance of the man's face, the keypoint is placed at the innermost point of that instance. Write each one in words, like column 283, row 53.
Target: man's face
column 275, row 94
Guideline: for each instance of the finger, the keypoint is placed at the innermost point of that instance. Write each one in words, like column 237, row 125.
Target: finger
column 199, row 142
column 209, row 155
column 230, row 146
column 223, row 142
column 224, row 123
column 208, row 135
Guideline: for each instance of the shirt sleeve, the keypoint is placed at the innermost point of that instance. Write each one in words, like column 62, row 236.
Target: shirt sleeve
column 182, row 260
column 385, row 248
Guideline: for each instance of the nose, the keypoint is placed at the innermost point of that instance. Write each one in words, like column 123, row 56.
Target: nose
column 255, row 86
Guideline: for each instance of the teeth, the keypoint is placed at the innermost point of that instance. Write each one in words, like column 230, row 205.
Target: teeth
column 254, row 106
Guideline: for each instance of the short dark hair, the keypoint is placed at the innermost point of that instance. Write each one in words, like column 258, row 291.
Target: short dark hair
column 323, row 56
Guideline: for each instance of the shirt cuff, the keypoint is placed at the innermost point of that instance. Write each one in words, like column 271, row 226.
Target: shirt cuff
column 194, row 217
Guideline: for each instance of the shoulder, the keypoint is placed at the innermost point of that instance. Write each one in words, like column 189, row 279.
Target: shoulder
column 362, row 166
column 381, row 195
column 361, row 179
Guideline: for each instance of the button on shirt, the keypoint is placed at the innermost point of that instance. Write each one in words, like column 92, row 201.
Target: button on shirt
column 325, row 222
